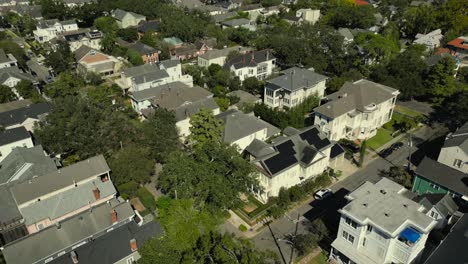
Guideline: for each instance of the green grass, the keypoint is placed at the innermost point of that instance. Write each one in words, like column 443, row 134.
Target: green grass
column 382, row 137
column 319, row 259
column 146, row 198
column 406, row 111
column 396, row 117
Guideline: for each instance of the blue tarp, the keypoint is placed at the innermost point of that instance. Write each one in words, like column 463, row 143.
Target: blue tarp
column 410, row 234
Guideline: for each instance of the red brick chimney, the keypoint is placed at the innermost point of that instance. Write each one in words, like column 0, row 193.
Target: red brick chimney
column 113, row 216
column 133, row 245
column 97, row 193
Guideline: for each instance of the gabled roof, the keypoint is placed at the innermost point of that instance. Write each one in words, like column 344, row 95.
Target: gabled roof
column 119, row 14
column 140, row 70
column 356, row 96
column 298, row 147
column 19, row 115
column 14, row 105
column 115, row 245
column 458, row 139
column 150, row 77
column 251, row 59
column 25, row 163
column 6, row 58
column 440, row 201
column 13, row 135
column 14, row 72
column 443, row 175
column 218, row 53
column 238, row 125
column 57, row 238
column 460, row 43
column 57, row 180
column 142, row 49
column 295, row 79
column 236, row 22
column 152, row 25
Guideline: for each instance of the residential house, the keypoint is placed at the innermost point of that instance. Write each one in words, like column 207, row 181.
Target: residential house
column 435, row 177
column 47, row 30
column 119, row 246
column 254, row 10
column 46, row 200
column 218, row 56
column 273, row 10
column 223, row 17
column 34, row 11
column 245, row 99
column 431, row 40
column 173, row 42
column 198, row 5
column 148, row 54
column 63, row 238
column 439, row 206
column 293, row 87
column 40, row 71
column 459, row 48
column 17, row 137
column 356, row 111
column 127, row 19
column 348, row 36
column 259, row 64
column 90, row 38
column 237, row 23
column 12, row 76
column 26, row 116
column 453, row 248
column 91, row 60
column 13, row 2
column 185, row 52
column 454, row 153
column 14, row 105
column 290, row 160
column 24, row 164
column 380, row 225
column 241, row 129
column 206, row 44
column 148, row 26
column 77, row 3
column 184, row 100
column 12, row 225
column 308, row 15
column 7, row 60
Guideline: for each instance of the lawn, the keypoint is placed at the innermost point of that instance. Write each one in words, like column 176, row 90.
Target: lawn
column 396, row 117
column 406, row 111
column 382, row 137
column 319, row 259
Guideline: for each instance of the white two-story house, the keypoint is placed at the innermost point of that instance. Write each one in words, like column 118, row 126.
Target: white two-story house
column 297, row 156
column 293, row 87
column 356, row 111
column 258, row 64
column 46, row 30
column 127, row 19
column 381, row 225
column 454, row 153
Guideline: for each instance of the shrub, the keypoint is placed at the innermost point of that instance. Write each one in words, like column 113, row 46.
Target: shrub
column 128, row 190
column 242, row 228
column 146, row 198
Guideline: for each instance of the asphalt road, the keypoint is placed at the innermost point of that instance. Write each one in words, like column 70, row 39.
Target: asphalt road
column 327, row 210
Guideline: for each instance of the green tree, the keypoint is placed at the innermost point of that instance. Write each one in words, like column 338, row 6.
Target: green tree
column 161, row 134
column 106, row 24
column 11, row 47
column 304, row 243
column 205, row 128
column 6, row 94
column 350, row 16
column 398, row 175
column 61, row 59
column 440, row 80
column 26, row 89
column 419, row 19
column 54, row 9
column 217, row 175
column 253, row 86
column 132, row 163
column 108, row 42
column 223, row 103
column 128, row 34
column 453, row 110
column 362, row 153
column 150, row 39
column 65, row 84
column 134, row 57
column 378, row 47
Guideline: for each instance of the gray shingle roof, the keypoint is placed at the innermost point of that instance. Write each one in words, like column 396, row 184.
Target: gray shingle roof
column 142, row 49
column 166, row 64
column 443, row 175
column 55, row 239
column 218, row 53
column 25, row 163
column 442, row 202
column 250, row 59
column 14, row 105
column 81, row 52
column 139, row 70
column 12, row 135
column 295, row 79
column 8, row 208
column 245, row 97
column 459, row 138
column 150, row 77
column 236, row 22
column 18, row 116
column 14, row 72
column 62, row 178
column 356, row 96
column 238, row 125
column 119, row 14
column 3, row 57
column 115, row 245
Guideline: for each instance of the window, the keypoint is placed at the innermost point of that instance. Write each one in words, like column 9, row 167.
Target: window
column 434, row 186
column 364, row 242
column 457, row 163
column 345, row 235
column 434, row 215
column 286, row 100
column 351, row 239
column 250, row 71
column 351, row 223
column 348, row 237
column 130, row 260
column 369, row 228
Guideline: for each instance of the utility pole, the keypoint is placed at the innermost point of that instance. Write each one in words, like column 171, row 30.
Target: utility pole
column 410, row 144
column 276, row 242
column 294, row 238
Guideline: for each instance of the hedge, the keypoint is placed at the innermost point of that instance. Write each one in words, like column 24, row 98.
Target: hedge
column 146, row 198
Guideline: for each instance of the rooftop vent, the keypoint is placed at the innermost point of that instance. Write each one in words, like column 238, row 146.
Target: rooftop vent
column 383, row 192
column 387, row 214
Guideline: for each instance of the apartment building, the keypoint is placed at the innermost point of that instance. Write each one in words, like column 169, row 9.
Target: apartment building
column 258, row 64
column 293, row 87
column 356, row 111
column 46, row 30
column 381, row 225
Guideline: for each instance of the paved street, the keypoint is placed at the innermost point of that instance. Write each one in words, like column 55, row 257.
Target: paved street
column 327, row 210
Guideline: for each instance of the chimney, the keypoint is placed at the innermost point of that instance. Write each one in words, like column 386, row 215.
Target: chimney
column 97, row 193
column 113, row 216
column 133, row 245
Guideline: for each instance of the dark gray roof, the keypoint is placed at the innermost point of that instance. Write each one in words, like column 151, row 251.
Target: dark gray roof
column 25, row 163
column 295, row 79
column 245, row 97
column 14, row 105
column 443, row 202
column 238, row 125
column 47, row 23
column 356, row 96
column 222, row 17
column 18, row 116
column 35, row 11
column 150, row 77
column 142, row 49
column 59, row 179
column 115, row 245
column 81, row 52
column 140, row 70
column 251, row 7
column 236, row 22
column 12, row 135
column 4, row 57
column 459, row 139
column 443, row 175
column 453, row 247
column 8, row 208
column 336, row 151
column 250, row 59
column 434, row 59
column 171, row 95
column 14, row 72
column 166, row 64
column 147, row 26
column 301, row 147
column 54, row 239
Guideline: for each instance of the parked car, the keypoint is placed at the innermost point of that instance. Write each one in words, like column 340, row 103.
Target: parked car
column 396, row 146
column 386, row 152
column 322, row 194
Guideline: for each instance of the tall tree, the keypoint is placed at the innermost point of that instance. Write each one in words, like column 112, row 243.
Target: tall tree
column 132, row 163
column 60, row 59
column 6, row 94
column 440, row 80
column 205, row 128
column 398, row 175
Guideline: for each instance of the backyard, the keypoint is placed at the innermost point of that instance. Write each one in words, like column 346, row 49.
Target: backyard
column 383, row 136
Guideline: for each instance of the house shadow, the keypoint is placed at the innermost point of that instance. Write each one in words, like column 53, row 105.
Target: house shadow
column 430, row 148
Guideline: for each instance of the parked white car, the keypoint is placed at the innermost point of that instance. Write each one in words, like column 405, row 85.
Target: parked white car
column 322, row 194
